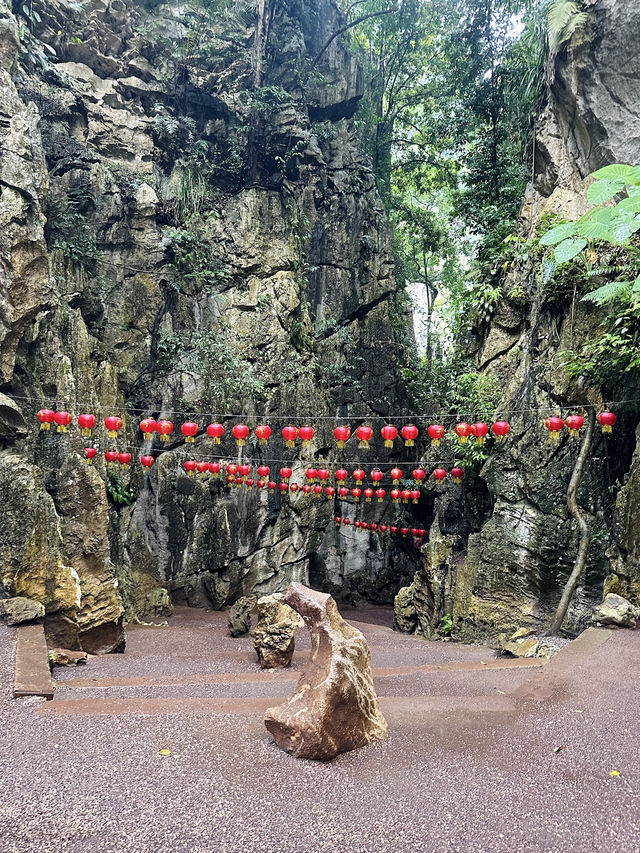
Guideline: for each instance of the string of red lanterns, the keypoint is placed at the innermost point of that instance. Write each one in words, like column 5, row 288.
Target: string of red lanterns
column 416, row 533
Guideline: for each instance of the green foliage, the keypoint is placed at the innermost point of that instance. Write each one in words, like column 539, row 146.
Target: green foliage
column 68, row 229
column 116, row 490
column 446, row 624
column 191, row 255
column 602, row 246
column 563, row 19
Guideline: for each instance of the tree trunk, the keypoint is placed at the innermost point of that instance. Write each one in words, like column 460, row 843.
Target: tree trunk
column 585, row 534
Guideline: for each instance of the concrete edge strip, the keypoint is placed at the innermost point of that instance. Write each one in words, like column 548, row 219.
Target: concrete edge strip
column 31, row 674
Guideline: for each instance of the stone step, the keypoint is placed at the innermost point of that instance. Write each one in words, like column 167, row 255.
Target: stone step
column 32, row 675
column 251, row 706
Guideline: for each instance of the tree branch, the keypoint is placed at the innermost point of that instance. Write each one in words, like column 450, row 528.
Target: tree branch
column 348, row 27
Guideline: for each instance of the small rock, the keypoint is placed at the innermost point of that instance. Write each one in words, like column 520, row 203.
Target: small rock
column 65, row 657
column 20, row 609
column 334, row 708
column 616, row 610
column 240, row 615
column 274, row 640
column 405, row 617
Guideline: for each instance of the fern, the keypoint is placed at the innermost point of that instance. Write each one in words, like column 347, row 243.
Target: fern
column 610, row 292
column 563, row 19
column 614, row 269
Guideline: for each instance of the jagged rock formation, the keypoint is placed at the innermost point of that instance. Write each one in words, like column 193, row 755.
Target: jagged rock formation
column 274, row 638
column 334, row 708
column 616, row 610
column 507, row 568
column 187, row 225
column 240, row 615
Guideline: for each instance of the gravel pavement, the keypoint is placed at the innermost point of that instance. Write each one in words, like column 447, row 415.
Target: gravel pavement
column 482, row 754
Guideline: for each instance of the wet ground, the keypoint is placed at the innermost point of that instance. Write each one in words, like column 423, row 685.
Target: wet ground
column 483, row 754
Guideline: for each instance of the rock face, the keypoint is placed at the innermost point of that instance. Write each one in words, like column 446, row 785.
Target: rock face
column 616, row 610
column 504, row 564
column 274, row 638
column 19, row 609
column 183, row 236
column 334, row 708
column 240, row 615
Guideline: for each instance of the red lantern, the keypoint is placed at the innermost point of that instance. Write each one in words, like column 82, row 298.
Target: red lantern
column 342, row 434
column 46, row 418
column 501, row 430
column 463, row 431
column 306, row 433
column 285, row 474
column 111, row 456
column 311, row 474
column 373, row 526
column 358, row 476
column 284, row 487
column 290, row 433
column 240, row 432
column 124, row 459
column 214, row 469
column 436, row 434
column 244, row 471
column 418, row 475
column 368, row 494
column 263, row 433
column 389, row 433
column 263, row 472
column 409, row 433
column 356, row 494
column 337, row 520
column 323, row 474
column 306, row 488
column 146, row 461
column 148, row 427
column 86, row 424
column 479, row 430
column 232, row 469
column 261, row 484
column 404, row 530
column 62, row 419
column 317, row 490
column 189, row 431
column 365, row 434
column 554, row 425
column 343, row 492
column 346, row 522
column 329, row 492
column 406, row 494
column 415, row 495
column 376, row 475
column 272, row 486
column 89, row 454
column 113, row 425
column 341, row 475
column 396, row 475
column 395, row 495
column 202, row 468
column 249, row 482
column 293, row 488
column 575, row 424
column 189, row 466
column 164, row 429
column 607, row 421
column 215, row 433
column 439, row 474
column 380, row 494
column 393, row 529
column 457, row 474
column 383, row 528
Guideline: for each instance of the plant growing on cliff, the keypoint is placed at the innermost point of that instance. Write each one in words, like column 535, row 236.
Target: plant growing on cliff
column 564, row 17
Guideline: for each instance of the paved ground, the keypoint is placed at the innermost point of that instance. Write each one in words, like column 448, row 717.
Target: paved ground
column 483, row 754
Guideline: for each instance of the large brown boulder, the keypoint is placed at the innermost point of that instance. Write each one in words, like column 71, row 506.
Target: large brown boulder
column 334, row 708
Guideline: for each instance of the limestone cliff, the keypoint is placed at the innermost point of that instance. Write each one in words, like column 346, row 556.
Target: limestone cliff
column 509, row 569
column 188, row 226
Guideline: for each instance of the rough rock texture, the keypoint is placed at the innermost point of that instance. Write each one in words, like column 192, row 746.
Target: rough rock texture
column 65, row 657
column 20, row 609
column 616, row 610
column 334, row 708
column 240, row 615
column 507, row 567
column 172, row 223
column 274, row 638
column 404, row 611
